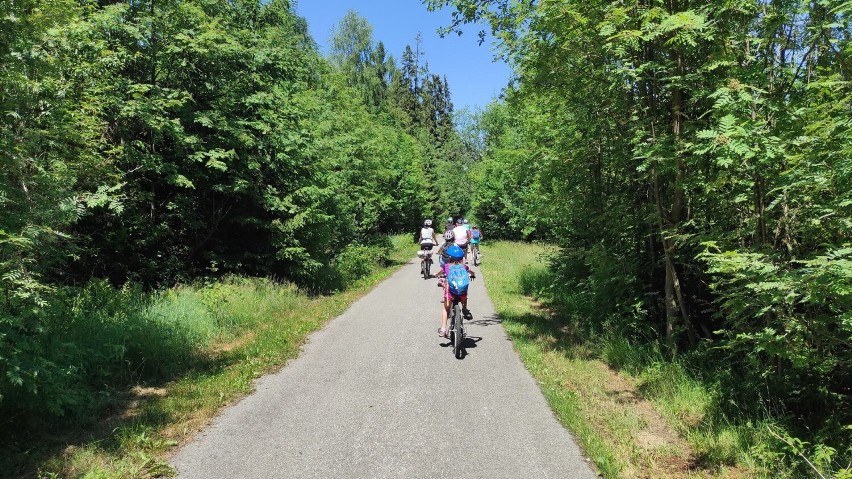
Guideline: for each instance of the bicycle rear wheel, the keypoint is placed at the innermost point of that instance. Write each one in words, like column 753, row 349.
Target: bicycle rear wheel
column 458, row 334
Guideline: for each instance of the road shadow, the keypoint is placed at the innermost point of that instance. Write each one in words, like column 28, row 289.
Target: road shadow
column 489, row 320
column 469, row 342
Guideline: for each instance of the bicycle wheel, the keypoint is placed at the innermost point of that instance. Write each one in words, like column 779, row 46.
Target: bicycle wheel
column 458, row 335
column 427, row 272
column 476, row 255
column 451, row 327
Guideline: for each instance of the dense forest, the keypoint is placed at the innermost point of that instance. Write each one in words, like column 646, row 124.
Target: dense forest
column 149, row 143
column 693, row 159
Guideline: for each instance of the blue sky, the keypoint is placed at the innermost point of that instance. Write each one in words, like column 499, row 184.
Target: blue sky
column 473, row 76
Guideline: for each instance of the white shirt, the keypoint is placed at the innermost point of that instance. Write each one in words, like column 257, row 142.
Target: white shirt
column 461, row 234
column 426, row 235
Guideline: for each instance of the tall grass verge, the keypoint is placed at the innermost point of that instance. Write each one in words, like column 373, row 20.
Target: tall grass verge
column 147, row 371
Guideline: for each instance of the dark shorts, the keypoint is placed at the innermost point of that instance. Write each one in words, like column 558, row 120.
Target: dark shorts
column 448, row 296
column 426, row 246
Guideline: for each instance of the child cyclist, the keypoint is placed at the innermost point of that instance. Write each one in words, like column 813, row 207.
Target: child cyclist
column 443, row 256
column 455, row 268
column 475, row 238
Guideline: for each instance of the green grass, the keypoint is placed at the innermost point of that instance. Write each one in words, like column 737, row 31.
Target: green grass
column 635, row 413
column 188, row 352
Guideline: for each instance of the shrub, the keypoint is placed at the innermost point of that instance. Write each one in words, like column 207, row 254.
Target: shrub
column 356, row 262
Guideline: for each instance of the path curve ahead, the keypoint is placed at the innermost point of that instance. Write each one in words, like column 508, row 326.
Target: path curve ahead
column 377, row 394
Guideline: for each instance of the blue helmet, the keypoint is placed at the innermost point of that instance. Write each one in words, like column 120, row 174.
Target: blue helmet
column 455, row 252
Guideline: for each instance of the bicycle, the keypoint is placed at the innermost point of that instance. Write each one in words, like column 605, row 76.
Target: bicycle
column 456, row 329
column 475, row 252
column 426, row 262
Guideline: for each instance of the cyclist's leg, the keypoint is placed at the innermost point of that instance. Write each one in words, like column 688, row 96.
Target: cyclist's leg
column 428, row 248
column 445, row 312
column 465, row 311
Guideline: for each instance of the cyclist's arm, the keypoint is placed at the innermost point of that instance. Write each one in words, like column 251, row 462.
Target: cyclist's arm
column 472, row 274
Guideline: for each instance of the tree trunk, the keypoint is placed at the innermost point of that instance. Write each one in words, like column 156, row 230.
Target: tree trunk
column 674, row 298
column 675, row 301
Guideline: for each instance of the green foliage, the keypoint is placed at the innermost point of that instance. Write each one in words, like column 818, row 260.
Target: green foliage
column 356, row 262
column 152, row 143
column 91, row 343
column 797, row 314
column 84, row 339
column 503, row 201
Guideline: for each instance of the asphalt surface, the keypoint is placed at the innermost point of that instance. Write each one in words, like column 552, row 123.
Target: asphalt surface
column 377, row 394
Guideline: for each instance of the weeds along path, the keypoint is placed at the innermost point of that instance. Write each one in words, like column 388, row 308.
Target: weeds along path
column 377, row 394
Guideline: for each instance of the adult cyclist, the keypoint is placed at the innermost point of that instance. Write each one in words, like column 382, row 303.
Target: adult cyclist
column 428, row 240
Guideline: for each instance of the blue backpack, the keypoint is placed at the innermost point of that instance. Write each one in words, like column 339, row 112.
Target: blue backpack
column 458, row 279
column 476, row 234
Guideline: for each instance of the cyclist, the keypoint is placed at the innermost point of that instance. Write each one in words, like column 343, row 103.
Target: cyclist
column 456, row 257
column 428, row 240
column 450, row 224
column 475, row 238
column 443, row 256
column 461, row 236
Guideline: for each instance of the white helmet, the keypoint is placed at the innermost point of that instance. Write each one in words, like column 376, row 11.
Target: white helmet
column 449, row 235
column 427, row 223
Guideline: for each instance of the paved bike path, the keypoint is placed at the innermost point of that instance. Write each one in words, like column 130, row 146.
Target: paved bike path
column 377, row 394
